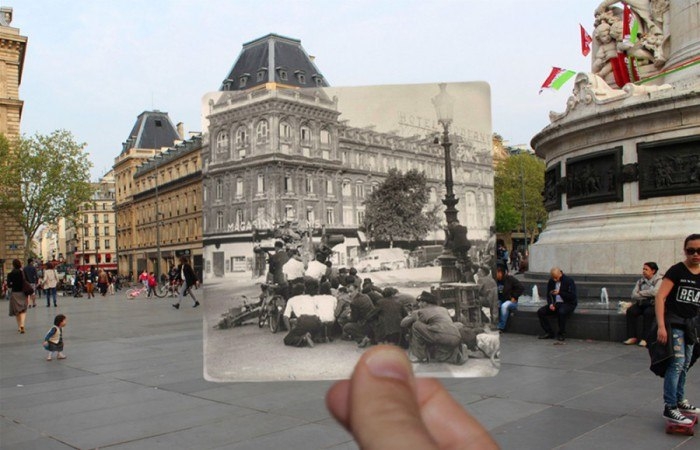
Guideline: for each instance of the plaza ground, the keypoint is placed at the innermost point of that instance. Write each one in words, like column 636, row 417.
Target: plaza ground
column 134, row 379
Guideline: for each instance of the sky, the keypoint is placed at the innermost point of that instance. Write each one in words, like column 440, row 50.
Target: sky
column 92, row 66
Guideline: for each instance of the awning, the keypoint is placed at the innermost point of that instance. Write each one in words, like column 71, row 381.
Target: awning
column 352, row 242
column 361, row 236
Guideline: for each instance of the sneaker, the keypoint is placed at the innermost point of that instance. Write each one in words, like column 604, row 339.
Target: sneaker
column 48, row 358
column 546, row 336
column 61, row 356
column 685, row 407
column 630, row 341
column 176, row 305
column 561, row 337
column 196, row 304
column 642, row 343
column 674, row 415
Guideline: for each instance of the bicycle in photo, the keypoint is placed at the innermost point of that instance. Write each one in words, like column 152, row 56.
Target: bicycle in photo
column 272, row 308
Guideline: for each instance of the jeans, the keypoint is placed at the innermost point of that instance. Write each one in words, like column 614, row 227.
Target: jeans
column 674, row 379
column 50, row 292
column 184, row 290
column 505, row 308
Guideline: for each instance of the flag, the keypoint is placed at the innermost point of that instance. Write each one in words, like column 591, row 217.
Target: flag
column 585, row 41
column 557, row 78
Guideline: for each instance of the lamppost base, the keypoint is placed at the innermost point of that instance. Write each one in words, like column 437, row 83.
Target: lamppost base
column 450, row 273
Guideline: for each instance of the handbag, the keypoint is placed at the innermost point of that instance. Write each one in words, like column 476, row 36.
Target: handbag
column 26, row 287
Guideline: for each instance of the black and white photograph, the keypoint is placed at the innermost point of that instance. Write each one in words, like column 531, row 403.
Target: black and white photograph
column 335, row 219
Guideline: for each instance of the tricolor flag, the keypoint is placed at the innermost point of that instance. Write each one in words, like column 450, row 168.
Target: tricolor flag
column 585, row 41
column 557, row 78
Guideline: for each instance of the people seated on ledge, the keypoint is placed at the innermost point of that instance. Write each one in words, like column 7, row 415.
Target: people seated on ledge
column 509, row 290
column 561, row 302
column 643, row 304
column 434, row 336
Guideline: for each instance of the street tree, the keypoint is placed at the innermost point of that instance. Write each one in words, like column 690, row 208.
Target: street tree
column 43, row 178
column 396, row 210
column 515, row 175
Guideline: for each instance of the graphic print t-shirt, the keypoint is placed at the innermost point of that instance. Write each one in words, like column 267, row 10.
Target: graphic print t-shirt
column 684, row 298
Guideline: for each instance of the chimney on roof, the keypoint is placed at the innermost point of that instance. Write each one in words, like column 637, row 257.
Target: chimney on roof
column 312, row 58
column 181, row 130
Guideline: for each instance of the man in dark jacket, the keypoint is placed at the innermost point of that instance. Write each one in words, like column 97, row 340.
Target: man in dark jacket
column 509, row 290
column 359, row 328
column 561, row 302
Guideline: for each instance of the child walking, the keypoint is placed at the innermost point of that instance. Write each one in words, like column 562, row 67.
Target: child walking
column 53, row 341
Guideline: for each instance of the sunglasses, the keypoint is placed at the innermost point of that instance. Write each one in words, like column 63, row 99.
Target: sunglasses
column 692, row 251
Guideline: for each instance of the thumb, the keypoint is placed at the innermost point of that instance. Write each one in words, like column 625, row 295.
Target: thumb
column 384, row 412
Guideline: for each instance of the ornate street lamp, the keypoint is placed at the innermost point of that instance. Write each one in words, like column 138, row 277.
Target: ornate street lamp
column 444, row 108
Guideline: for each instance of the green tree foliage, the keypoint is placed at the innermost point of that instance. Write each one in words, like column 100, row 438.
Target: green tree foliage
column 43, row 178
column 508, row 189
column 395, row 210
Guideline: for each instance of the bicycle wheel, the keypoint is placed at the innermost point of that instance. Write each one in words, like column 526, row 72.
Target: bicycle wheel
column 161, row 290
column 275, row 314
column 263, row 317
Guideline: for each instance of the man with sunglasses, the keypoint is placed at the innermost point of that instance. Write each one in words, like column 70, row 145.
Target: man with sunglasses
column 677, row 302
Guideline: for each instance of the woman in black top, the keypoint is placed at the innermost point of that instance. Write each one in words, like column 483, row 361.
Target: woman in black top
column 18, row 299
column 677, row 303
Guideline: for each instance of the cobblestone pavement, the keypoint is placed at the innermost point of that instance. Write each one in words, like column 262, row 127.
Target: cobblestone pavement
column 134, row 379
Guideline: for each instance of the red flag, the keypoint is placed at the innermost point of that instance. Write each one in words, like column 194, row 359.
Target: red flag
column 626, row 22
column 585, row 41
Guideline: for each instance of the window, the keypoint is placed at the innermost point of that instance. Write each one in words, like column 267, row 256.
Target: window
column 347, row 215
column 262, row 132
column 309, row 184
column 325, row 154
column 205, row 190
column 85, row 218
column 344, row 157
column 360, row 216
column 310, row 217
column 107, row 245
column 243, row 80
column 261, row 184
column 330, row 216
column 220, row 220
column 241, row 138
column 239, row 218
column 97, row 231
column 288, row 185
column 329, row 186
column 95, row 218
column 289, row 212
column 282, row 74
column 261, row 74
column 239, row 187
column 301, row 77
column 346, row 189
column 285, row 131
column 106, row 233
column 219, row 188
column 305, row 134
column 97, row 244
column 105, row 218
column 325, row 137
column 360, row 190
column 222, row 141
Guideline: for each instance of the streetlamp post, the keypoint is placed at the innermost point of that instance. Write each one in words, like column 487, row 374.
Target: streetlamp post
column 522, row 191
column 444, row 107
column 158, row 124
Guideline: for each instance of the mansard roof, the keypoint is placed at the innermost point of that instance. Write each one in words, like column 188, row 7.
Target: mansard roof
column 153, row 129
column 273, row 59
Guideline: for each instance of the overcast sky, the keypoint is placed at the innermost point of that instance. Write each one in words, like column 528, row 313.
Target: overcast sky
column 92, row 66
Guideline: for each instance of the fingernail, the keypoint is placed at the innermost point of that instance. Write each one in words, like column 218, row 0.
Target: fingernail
column 389, row 363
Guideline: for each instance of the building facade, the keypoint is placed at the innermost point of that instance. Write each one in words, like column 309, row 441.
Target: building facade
column 94, row 241
column 12, row 51
column 277, row 153
column 152, row 132
column 167, row 209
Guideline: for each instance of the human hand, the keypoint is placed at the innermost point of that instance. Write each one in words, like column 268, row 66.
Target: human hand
column 552, row 307
column 661, row 336
column 385, row 407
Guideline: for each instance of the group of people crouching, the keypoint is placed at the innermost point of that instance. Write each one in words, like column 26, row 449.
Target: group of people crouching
column 362, row 312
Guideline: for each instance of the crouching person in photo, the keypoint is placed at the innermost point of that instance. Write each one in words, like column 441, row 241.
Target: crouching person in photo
column 307, row 323
column 434, row 336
